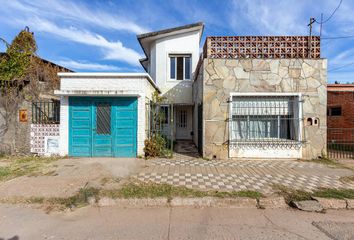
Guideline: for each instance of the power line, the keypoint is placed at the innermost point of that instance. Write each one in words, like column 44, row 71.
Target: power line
column 339, row 37
column 335, row 10
column 340, row 67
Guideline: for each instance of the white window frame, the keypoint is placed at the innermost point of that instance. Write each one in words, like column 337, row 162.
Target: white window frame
column 267, row 94
column 184, row 55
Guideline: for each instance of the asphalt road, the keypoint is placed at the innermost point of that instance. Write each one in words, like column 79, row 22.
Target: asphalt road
column 20, row 223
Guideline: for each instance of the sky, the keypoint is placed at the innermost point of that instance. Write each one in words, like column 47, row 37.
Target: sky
column 100, row 36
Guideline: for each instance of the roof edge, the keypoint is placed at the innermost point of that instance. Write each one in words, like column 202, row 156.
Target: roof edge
column 109, row 74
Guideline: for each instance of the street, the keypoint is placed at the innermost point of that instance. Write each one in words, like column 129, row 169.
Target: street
column 20, row 223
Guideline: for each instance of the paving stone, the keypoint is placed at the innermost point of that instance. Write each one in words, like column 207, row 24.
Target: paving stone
column 331, row 203
column 272, row 203
column 193, row 202
column 350, row 203
column 236, row 175
column 240, row 202
column 308, row 205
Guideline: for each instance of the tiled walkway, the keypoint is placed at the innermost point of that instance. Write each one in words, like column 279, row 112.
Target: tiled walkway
column 259, row 175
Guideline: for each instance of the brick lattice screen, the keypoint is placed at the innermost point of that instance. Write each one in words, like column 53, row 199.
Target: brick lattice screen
column 264, row 47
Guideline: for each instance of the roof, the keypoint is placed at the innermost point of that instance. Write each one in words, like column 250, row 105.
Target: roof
column 145, row 38
column 48, row 62
column 108, row 75
column 170, row 30
column 340, row 87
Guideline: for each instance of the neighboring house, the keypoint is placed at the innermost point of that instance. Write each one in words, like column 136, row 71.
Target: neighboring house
column 36, row 117
column 340, row 112
column 258, row 97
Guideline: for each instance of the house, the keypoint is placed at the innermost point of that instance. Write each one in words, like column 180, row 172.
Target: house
column 254, row 97
column 25, row 124
column 340, row 112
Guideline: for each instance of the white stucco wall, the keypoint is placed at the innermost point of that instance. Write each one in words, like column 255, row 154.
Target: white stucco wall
column 185, row 43
column 104, row 86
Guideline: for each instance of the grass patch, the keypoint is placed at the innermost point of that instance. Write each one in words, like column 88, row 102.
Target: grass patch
column 21, row 166
column 290, row 194
column 80, row 199
column 334, row 193
column 153, row 190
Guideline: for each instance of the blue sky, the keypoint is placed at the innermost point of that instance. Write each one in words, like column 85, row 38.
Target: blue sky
column 101, row 35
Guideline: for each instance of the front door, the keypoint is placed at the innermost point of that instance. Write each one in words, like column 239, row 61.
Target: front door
column 184, row 122
column 102, row 128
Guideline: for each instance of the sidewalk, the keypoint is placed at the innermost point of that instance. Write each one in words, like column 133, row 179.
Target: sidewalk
column 257, row 175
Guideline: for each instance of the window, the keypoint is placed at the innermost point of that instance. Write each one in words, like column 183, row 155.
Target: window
column 180, row 67
column 182, row 119
column 103, row 118
column 334, row 111
column 164, row 114
column 264, row 119
column 46, row 112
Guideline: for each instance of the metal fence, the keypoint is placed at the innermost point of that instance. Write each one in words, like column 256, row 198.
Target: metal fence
column 46, row 112
column 340, row 143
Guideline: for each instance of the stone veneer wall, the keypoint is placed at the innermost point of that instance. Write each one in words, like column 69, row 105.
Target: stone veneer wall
column 223, row 76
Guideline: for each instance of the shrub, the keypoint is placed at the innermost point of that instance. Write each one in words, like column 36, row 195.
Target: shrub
column 154, row 146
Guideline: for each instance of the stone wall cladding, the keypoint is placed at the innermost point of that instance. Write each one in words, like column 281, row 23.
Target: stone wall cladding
column 224, row 76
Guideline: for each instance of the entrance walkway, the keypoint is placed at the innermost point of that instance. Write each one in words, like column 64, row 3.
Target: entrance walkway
column 186, row 148
column 237, row 175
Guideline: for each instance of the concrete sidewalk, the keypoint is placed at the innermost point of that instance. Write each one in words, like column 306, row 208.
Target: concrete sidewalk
column 173, row 223
column 258, row 175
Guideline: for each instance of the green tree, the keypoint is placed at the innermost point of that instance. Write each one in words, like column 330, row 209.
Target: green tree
column 15, row 66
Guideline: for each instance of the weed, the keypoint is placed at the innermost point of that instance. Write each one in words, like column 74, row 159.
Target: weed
column 153, row 190
column 28, row 165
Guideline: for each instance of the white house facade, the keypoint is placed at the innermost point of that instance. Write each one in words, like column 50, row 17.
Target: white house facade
column 242, row 97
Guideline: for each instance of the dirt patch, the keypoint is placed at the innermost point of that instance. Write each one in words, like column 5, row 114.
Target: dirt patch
column 68, row 176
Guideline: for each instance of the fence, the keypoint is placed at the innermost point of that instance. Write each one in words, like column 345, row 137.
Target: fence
column 46, row 112
column 340, row 143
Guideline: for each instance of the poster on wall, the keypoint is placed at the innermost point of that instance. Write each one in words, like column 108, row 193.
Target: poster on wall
column 51, row 145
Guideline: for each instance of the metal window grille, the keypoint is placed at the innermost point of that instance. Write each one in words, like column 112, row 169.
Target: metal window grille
column 266, row 121
column 103, row 119
column 46, row 112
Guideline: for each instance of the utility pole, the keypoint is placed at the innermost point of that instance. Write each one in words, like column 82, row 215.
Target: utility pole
column 312, row 20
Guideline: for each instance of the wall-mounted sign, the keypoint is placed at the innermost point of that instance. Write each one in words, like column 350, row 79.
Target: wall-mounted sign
column 23, row 116
column 51, row 146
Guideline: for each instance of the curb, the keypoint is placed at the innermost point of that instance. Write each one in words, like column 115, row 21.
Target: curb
column 239, row 202
column 333, row 203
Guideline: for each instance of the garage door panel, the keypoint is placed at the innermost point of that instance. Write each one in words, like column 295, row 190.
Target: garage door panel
column 81, row 123
column 124, row 115
column 125, row 132
column 81, row 114
column 81, row 132
column 84, row 140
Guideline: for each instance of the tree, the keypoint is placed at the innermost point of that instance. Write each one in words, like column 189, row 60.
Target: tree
column 14, row 66
column 21, row 73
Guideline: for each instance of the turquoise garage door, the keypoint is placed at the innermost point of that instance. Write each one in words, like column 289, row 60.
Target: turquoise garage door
column 102, row 127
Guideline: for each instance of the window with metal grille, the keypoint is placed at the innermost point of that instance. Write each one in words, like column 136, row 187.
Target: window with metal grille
column 103, row 118
column 46, row 112
column 264, row 119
